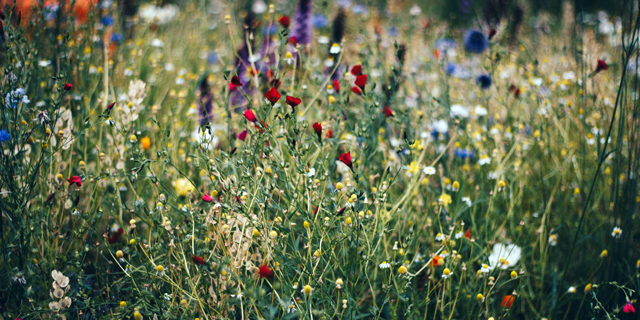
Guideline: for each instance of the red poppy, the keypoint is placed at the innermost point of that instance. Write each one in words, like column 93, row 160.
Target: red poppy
column 356, row 90
column 346, row 159
column 601, row 66
column 284, row 21
column 272, row 95
column 318, row 129
column 109, row 107
column 293, row 102
column 467, row 234
column 329, row 134
column 249, row 115
column 242, row 135
column 436, row 261
column 507, row 301
column 293, row 41
column 387, row 112
column 115, row 237
column 75, row 179
column 235, row 82
column 68, row 86
column 336, row 85
column 356, row 70
column 198, row 260
column 265, row 272
column 361, row 81
column 206, row 198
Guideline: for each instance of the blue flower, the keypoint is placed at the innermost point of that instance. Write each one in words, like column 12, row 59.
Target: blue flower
column 463, row 153
column 4, row 136
column 393, row 31
column 107, row 20
column 475, row 41
column 270, row 30
column 117, row 37
column 484, row 81
column 212, row 58
column 344, row 3
column 451, row 68
column 320, row 21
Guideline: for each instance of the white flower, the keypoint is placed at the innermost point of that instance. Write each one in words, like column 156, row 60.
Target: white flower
column 484, row 160
column 459, row 111
column 485, row 268
column 335, row 49
column 415, row 10
column 311, row 172
column 157, row 42
column 429, row 170
column 328, row 62
column 440, row 236
column 323, row 39
column 441, row 126
column 44, row 63
column 537, row 81
column 459, row 234
column 384, row 265
column 239, row 295
column 168, row 296
column 467, row 200
column 509, row 255
column 259, row 7
column 481, row 111
column 617, row 232
column 571, row 289
column 553, row 240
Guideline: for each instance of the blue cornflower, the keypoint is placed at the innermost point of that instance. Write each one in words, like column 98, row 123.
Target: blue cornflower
column 320, row 21
column 484, row 81
column 4, row 136
column 463, row 153
column 475, row 41
column 212, row 58
column 117, row 37
column 393, row 31
column 107, row 20
column 451, row 68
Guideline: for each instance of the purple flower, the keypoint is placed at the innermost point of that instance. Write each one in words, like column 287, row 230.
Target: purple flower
column 302, row 22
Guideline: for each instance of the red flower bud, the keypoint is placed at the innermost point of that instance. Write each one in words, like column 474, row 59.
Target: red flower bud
column 467, row 234
column 346, row 159
column 318, row 129
column 198, row 260
column 329, row 134
column 207, row 198
column 336, row 85
column 68, row 86
column 507, row 301
column 250, row 115
column 492, row 33
column 284, row 21
column 242, row 135
column 293, row 41
column 601, row 66
column 387, row 112
column 265, row 272
column 356, row 70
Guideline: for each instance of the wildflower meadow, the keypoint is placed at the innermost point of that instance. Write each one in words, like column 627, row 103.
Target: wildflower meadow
column 319, row 159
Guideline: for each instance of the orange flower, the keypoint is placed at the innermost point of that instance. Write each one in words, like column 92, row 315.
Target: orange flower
column 507, row 301
column 146, row 143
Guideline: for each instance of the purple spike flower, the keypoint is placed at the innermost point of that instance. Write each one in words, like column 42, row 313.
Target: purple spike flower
column 302, row 22
column 204, row 102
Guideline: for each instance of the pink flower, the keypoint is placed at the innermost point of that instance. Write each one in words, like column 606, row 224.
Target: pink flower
column 206, row 198
column 75, row 179
column 250, row 115
column 628, row 308
column 242, row 135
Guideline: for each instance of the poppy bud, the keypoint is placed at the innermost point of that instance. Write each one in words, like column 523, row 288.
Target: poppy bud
column 109, row 107
column 284, row 21
column 249, row 115
column 318, row 129
column 242, row 135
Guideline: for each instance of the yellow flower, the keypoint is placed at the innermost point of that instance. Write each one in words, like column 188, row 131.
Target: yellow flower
column 604, row 253
column 402, row 270
column 587, row 288
column 183, row 186
column 480, row 297
column 307, row 289
column 119, row 254
column 123, row 304
column 145, row 142
column 514, row 274
column 339, row 186
column 413, row 168
column 445, row 200
column 137, row 315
